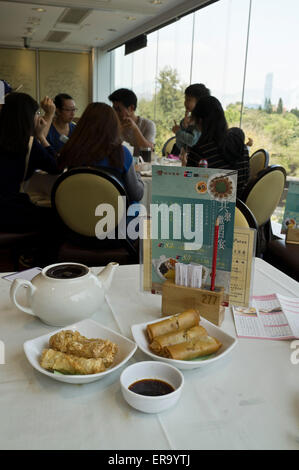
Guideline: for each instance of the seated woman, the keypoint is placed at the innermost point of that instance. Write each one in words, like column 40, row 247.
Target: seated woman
column 20, row 155
column 62, row 126
column 221, row 147
column 96, row 141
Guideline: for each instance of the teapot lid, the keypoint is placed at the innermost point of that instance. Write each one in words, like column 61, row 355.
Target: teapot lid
column 66, row 270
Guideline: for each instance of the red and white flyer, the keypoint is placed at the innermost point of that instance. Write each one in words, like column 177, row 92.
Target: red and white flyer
column 270, row 317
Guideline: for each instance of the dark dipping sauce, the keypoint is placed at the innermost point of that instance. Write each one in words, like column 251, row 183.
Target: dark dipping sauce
column 151, row 387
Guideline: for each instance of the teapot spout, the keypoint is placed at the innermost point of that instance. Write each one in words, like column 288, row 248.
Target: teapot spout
column 106, row 275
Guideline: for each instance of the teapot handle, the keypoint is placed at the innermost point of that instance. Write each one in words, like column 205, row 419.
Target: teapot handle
column 13, row 292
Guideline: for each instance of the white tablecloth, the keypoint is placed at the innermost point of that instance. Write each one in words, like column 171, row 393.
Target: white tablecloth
column 248, row 400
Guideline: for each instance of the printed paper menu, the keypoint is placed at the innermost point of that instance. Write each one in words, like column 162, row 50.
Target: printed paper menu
column 270, row 317
column 185, row 205
column 291, row 213
column 241, row 279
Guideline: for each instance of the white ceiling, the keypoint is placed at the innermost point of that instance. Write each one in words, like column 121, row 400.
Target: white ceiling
column 126, row 19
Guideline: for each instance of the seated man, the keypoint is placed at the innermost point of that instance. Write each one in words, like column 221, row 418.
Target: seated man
column 59, row 117
column 137, row 131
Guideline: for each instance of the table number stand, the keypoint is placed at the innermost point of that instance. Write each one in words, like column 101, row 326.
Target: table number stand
column 176, row 299
column 292, row 236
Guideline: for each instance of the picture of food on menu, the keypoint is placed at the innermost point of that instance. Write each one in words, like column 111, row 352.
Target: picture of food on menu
column 167, row 268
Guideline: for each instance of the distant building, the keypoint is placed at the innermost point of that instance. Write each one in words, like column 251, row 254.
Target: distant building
column 268, row 86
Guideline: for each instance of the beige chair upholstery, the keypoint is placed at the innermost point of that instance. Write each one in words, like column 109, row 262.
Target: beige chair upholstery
column 257, row 162
column 262, row 194
column 76, row 197
column 167, row 147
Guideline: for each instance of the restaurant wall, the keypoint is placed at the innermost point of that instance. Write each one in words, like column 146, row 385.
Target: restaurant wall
column 61, row 72
column 18, row 66
column 48, row 73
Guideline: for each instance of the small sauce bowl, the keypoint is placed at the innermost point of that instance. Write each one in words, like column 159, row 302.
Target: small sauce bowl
column 143, row 371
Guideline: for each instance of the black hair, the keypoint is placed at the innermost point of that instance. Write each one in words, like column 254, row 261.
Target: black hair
column 209, row 113
column 59, row 99
column 17, row 123
column 197, row 90
column 125, row 96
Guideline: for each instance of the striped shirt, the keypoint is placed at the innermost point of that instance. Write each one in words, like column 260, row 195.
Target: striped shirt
column 213, row 155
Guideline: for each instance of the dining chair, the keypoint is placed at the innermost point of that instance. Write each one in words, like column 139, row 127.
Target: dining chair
column 283, row 256
column 244, row 218
column 257, row 162
column 262, row 195
column 168, row 145
column 76, row 195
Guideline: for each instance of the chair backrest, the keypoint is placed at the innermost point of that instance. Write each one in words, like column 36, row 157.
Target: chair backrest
column 244, row 218
column 263, row 193
column 257, row 162
column 167, row 147
column 78, row 192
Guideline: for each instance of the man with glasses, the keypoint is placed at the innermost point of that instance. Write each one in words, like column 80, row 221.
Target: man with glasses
column 62, row 125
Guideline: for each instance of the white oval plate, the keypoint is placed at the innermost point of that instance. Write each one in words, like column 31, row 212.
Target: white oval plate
column 228, row 343
column 126, row 348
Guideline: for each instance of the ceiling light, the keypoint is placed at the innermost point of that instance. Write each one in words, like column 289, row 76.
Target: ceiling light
column 156, row 2
column 130, row 18
column 40, row 10
column 33, row 20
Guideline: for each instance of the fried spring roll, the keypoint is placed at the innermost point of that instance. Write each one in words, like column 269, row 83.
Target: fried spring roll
column 180, row 336
column 66, row 363
column 201, row 347
column 71, row 342
column 181, row 321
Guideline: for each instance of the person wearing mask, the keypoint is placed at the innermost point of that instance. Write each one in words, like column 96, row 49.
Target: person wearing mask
column 97, row 141
column 23, row 149
column 220, row 146
column 62, row 126
column 187, row 134
column 139, row 132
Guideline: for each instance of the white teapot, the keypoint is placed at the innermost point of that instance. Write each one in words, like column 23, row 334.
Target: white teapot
column 64, row 293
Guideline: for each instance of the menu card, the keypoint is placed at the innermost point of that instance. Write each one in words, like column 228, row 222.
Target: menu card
column 291, row 213
column 185, row 205
column 241, row 279
column 270, row 317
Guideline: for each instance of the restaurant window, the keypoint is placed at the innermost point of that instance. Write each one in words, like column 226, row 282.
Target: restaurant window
column 271, row 98
column 144, row 77
column 243, row 51
column 220, row 33
column 123, row 69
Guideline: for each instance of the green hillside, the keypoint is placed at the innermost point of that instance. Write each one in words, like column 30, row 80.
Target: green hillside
column 276, row 131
